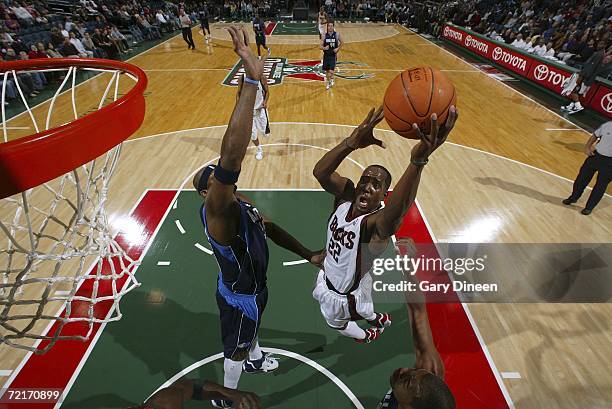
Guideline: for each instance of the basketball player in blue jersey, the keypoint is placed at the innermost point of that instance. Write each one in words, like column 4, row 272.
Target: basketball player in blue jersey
column 259, row 27
column 417, row 389
column 330, row 44
column 184, row 390
column 203, row 15
column 360, row 229
column 237, row 233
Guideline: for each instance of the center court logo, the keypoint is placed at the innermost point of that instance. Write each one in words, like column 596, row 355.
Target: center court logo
column 543, row 73
column 277, row 68
column 606, row 103
column 506, row 57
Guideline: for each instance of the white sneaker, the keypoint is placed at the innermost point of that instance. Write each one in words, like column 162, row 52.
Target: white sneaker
column 577, row 108
column 568, row 107
column 332, row 83
column 259, row 154
column 327, row 85
column 267, row 363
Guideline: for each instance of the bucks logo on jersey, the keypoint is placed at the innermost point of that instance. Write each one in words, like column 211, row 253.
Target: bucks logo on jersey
column 276, row 69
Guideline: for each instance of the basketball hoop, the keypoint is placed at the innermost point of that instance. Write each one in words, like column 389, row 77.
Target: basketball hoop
column 53, row 186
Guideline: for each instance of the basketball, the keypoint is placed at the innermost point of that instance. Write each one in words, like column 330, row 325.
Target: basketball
column 413, row 96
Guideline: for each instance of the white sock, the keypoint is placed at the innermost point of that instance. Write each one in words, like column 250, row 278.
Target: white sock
column 371, row 318
column 259, row 148
column 232, row 371
column 255, row 351
column 352, row 330
column 577, row 105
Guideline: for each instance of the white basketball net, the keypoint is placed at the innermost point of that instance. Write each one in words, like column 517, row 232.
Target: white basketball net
column 60, row 268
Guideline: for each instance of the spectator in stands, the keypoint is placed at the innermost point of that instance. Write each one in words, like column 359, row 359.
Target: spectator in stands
column 35, row 52
column 52, row 52
column 18, row 45
column 161, row 20
column 151, row 32
column 68, row 50
column 599, row 64
column 519, row 43
column 5, row 38
column 57, row 38
column 78, row 45
column 26, row 82
column 89, row 45
column 119, row 40
column 549, row 52
column 101, row 40
column 23, row 15
column 69, row 25
column 38, row 78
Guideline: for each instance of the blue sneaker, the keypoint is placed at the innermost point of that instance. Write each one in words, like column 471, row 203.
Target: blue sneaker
column 221, row 403
column 267, row 363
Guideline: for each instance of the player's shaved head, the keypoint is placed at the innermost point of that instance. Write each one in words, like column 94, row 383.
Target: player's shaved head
column 421, row 389
column 387, row 173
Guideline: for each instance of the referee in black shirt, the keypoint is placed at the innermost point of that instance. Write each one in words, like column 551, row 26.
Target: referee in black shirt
column 599, row 159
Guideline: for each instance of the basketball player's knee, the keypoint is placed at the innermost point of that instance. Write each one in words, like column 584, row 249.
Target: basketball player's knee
column 240, row 354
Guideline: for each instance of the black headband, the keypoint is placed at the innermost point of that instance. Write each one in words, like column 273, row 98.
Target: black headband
column 203, row 182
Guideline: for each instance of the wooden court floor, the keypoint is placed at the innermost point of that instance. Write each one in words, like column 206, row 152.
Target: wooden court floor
column 499, row 178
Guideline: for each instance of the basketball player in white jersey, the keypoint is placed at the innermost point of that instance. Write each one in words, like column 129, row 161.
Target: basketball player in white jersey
column 261, row 121
column 322, row 19
column 360, row 229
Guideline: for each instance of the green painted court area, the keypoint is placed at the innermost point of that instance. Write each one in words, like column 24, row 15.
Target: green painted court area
column 171, row 322
column 296, row 29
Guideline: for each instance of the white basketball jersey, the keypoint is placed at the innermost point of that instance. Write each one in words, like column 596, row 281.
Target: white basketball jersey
column 342, row 258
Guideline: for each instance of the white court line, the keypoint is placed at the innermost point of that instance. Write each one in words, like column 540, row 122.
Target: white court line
column 5, row 372
column 179, row 226
column 175, row 204
column 392, row 70
column 511, row 375
column 345, row 126
column 276, row 351
column 163, row 263
column 563, row 129
column 101, row 329
column 61, row 293
column 293, row 263
column 185, row 69
column 17, row 127
column 204, row 249
column 466, row 309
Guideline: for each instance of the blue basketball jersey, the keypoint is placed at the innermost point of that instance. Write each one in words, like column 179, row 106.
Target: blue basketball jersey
column 388, row 402
column 244, row 263
column 331, row 40
column 258, row 26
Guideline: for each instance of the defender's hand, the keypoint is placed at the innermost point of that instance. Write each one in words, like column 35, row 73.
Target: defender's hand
column 317, row 258
column 363, row 135
column 429, row 359
column 253, row 66
column 429, row 143
column 244, row 400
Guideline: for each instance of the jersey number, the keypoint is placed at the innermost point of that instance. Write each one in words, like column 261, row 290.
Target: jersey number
column 334, row 249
